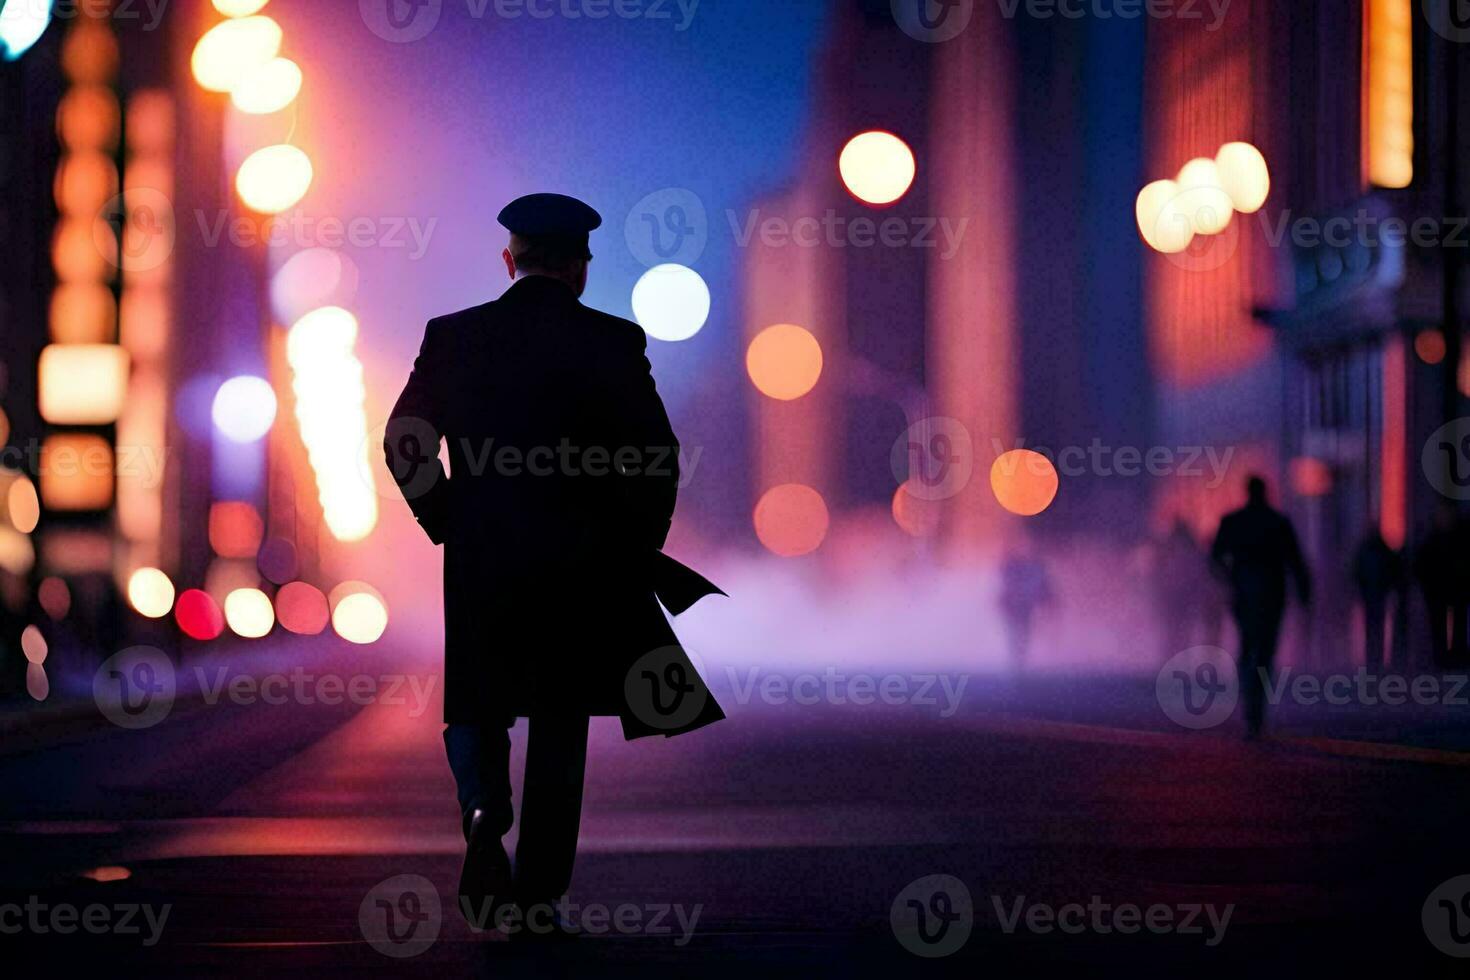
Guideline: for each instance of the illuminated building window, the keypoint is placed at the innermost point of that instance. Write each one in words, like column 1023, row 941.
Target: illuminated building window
column 1389, row 92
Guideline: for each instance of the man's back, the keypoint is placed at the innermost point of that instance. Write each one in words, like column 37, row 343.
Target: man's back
column 541, row 402
column 1257, row 547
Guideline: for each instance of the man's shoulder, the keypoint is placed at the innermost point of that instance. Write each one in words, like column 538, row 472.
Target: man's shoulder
column 473, row 314
column 621, row 332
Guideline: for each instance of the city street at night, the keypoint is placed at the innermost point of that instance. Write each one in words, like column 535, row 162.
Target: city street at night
column 782, row 844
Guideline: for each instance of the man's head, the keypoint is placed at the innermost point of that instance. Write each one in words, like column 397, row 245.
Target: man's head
column 1255, row 491
column 548, row 237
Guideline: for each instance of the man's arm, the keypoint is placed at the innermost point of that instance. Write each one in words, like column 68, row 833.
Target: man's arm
column 411, row 441
column 654, row 489
column 1298, row 566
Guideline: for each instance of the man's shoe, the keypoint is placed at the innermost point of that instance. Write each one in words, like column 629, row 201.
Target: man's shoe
column 485, row 880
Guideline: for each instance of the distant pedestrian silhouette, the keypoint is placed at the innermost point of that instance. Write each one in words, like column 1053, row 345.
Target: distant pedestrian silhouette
column 1182, row 589
column 1256, row 550
column 1025, row 588
column 1378, row 575
column 563, row 475
column 1440, row 566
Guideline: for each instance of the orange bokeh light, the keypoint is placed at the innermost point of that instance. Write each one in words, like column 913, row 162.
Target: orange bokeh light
column 791, row 520
column 302, row 608
column 83, row 313
column 784, row 361
column 1024, row 482
column 89, row 118
column 235, row 529
column 1430, row 346
column 916, row 515
column 76, row 472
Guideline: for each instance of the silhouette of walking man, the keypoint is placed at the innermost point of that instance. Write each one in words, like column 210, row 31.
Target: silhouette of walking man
column 1378, row 573
column 561, row 486
column 1256, row 549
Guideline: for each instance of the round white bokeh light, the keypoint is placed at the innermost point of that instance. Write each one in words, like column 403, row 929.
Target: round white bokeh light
column 244, row 408
column 671, row 302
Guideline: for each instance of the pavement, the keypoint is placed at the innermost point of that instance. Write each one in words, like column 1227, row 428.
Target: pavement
column 1049, row 822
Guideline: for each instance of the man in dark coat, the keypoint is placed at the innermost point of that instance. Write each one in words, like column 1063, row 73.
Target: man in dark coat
column 1256, row 550
column 563, row 471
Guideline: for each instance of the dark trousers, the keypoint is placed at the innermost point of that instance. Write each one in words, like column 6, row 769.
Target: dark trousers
column 551, row 795
column 1260, row 629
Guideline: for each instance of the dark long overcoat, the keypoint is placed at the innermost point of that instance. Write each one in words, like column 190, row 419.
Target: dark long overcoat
column 563, row 472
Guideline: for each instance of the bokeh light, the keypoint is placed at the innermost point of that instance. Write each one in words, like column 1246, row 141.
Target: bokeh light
column 199, row 616
column 1429, row 345
column 877, row 167
column 784, row 361
column 274, row 179
column 277, row 560
column 240, row 8
column 1202, row 197
column 38, row 685
column 231, row 50
column 249, row 613
column 89, row 54
column 244, row 408
column 302, row 608
column 89, row 118
column 1161, row 222
column 83, row 384
column 77, row 472
column 330, row 397
column 22, row 22
column 671, row 302
column 359, row 616
column 916, row 514
column 1024, row 482
column 33, row 645
column 23, row 505
column 83, row 313
column 312, row 279
column 235, row 528
column 55, row 597
column 1244, row 175
column 270, row 88
column 151, row 592
column 791, row 520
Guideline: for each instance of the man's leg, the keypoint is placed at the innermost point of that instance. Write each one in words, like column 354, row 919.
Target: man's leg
column 551, row 808
column 1252, row 693
column 479, row 757
column 1375, row 619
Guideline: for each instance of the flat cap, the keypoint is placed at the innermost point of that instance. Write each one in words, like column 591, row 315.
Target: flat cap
column 549, row 214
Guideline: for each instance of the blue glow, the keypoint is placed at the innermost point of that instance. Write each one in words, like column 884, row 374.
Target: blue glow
column 22, row 22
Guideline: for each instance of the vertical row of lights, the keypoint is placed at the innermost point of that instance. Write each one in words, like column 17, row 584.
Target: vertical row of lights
column 144, row 329
column 241, row 56
column 1390, row 93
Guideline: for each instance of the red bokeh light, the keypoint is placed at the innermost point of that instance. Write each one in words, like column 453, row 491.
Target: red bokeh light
column 199, row 615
